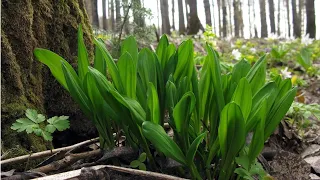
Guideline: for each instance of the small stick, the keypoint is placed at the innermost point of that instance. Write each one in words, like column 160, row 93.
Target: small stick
column 46, row 153
column 124, row 22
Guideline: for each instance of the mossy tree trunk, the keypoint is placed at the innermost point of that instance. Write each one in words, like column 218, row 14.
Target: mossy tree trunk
column 25, row 82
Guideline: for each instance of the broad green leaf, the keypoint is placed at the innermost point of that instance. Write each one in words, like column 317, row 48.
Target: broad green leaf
column 243, row 173
column 257, row 142
column 194, row 147
column 171, row 95
column 61, row 122
column 243, row 161
column 130, row 45
column 128, row 74
column 53, row 61
column 242, row 96
column 73, row 84
column 284, row 87
column 258, row 79
column 50, row 128
column 159, row 138
column 147, row 69
column 153, row 104
column 111, row 65
column 99, row 61
column 255, row 68
column 24, row 124
column 83, row 61
column 46, row 135
column 278, row 112
column 161, row 50
column 304, row 58
column 240, row 70
column 216, row 77
column 142, row 167
column 185, row 63
column 183, row 109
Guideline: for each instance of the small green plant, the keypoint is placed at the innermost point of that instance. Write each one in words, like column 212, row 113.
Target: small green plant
column 139, row 162
column 305, row 60
column 279, row 52
column 247, row 170
column 35, row 123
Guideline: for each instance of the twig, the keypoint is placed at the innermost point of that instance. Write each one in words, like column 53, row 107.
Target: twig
column 68, row 160
column 46, row 153
column 124, row 22
column 156, row 32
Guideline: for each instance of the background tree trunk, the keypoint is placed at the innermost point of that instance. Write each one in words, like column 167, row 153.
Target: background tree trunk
column 230, row 24
column 311, row 23
column 224, row 18
column 254, row 20
column 278, row 28
column 249, row 12
column 113, row 24
column 236, row 17
column 137, row 16
column 89, row 6
column 213, row 18
column 104, row 15
column 264, row 27
column 165, row 16
column 172, row 10
column 271, row 16
column 295, row 20
column 207, row 12
column 301, row 6
column 219, row 17
column 27, row 83
column 288, row 17
column 118, row 15
column 194, row 21
column 95, row 17
column 125, row 6
column 182, row 28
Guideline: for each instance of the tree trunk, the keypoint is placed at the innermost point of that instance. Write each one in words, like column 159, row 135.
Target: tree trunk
column 165, row 16
column 104, row 15
column 137, row 16
column 187, row 12
column 194, row 21
column 311, row 23
column 279, row 20
column 271, row 16
column 301, row 6
column 125, row 7
column 249, row 12
column 213, row 18
column 118, row 15
column 254, row 20
column 264, row 27
column 230, row 28
column 237, row 18
column 182, row 28
column 27, row 83
column 219, row 11
column 88, row 6
column 207, row 12
column 224, row 18
column 113, row 24
column 95, row 17
column 295, row 20
column 172, row 10
column 288, row 17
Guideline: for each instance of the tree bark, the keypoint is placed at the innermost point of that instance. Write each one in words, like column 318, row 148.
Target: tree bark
column 95, row 17
column 194, row 21
column 137, row 16
column 27, row 83
column 311, row 23
column 238, row 22
column 301, row 6
column 295, row 20
column 264, row 27
column 249, row 12
column 224, row 18
column 271, row 16
column 118, row 15
column 125, row 6
column 219, row 11
column 182, row 28
column 207, row 12
column 104, row 15
column 229, row 8
column 279, row 20
column 288, row 17
column 213, row 18
column 165, row 16
column 254, row 20
column 112, row 19
column 88, row 6
column 172, row 10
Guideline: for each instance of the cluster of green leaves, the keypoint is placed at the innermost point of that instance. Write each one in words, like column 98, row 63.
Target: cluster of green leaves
column 139, row 163
column 278, row 52
column 34, row 121
column 210, row 112
column 300, row 111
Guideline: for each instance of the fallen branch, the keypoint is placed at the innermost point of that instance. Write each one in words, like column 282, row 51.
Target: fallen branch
column 46, row 153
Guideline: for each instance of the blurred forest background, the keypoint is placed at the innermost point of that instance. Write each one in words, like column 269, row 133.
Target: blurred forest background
column 228, row 18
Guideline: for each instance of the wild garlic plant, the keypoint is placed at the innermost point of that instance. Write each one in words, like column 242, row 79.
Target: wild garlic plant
column 210, row 112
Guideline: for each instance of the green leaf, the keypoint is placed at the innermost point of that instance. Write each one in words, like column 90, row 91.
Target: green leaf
column 159, row 138
column 130, row 46
column 50, row 128
column 240, row 70
column 142, row 167
column 33, row 115
column 153, row 104
column 258, row 79
column 185, row 63
column 161, row 50
column 183, row 109
column 111, row 65
column 243, row 161
column 53, row 61
column 243, row 173
column 255, row 68
column 243, row 97
column 142, row 157
column 194, row 147
column 99, row 61
column 61, row 122
column 83, row 61
column 278, row 111
column 135, row 163
column 24, row 124
column 46, row 136
column 128, row 74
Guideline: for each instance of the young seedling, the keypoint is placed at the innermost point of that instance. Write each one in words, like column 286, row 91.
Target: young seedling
column 139, row 162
